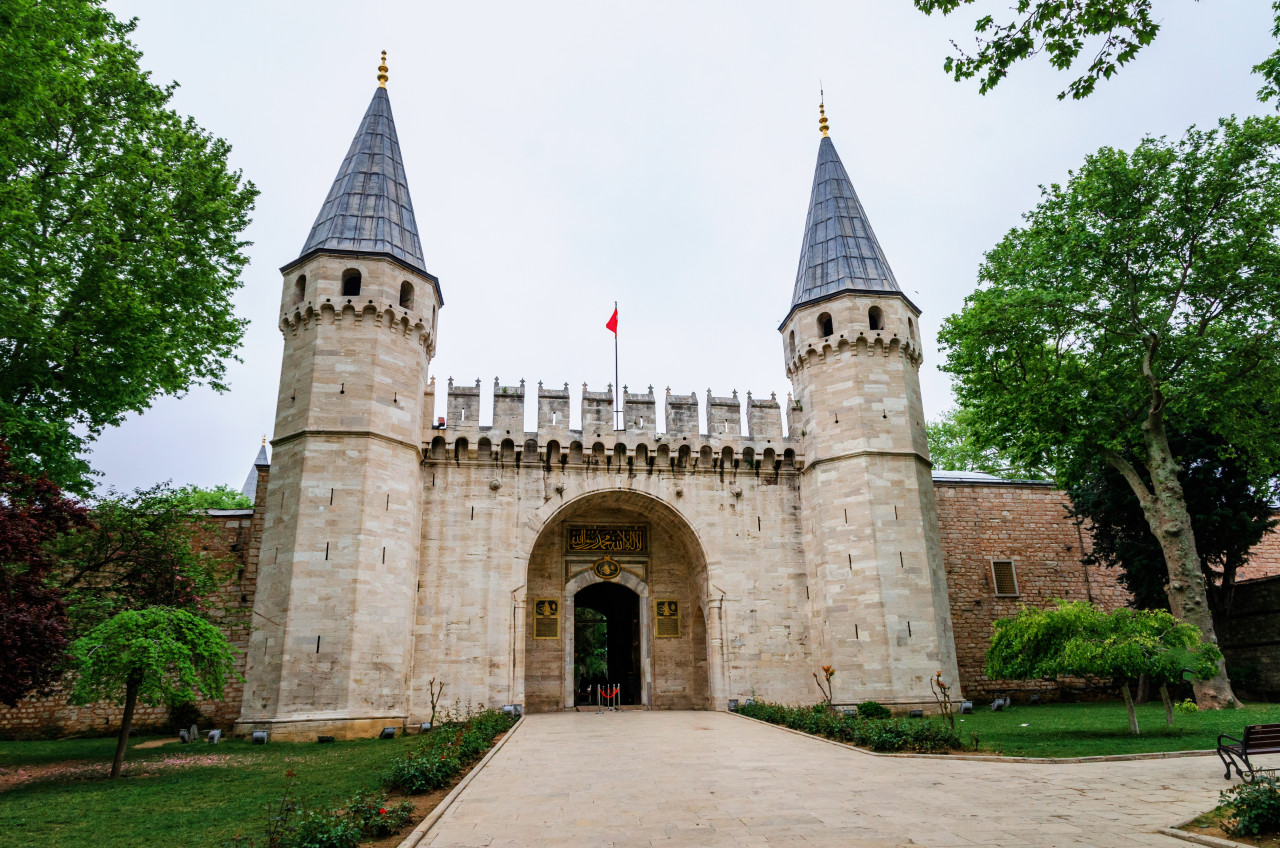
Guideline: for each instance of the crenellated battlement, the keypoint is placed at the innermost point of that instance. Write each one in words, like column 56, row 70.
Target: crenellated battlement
column 395, row 321
column 597, row 443
column 872, row 343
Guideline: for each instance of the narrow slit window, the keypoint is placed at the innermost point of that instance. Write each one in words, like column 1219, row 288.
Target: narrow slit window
column 1004, row 578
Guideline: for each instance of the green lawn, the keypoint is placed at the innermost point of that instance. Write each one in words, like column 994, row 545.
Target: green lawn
column 200, row 805
column 1086, row 730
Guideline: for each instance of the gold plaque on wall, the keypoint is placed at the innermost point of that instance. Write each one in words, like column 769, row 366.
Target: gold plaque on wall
column 605, row 538
column 666, row 615
column 546, row 618
column 605, row 568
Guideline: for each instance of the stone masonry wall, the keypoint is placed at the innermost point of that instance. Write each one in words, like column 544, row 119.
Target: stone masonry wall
column 235, row 535
column 1025, row 523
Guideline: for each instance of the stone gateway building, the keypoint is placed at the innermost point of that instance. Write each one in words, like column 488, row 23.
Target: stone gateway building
column 396, row 551
column 386, row 553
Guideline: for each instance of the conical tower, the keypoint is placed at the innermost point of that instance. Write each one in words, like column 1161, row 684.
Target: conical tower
column 872, row 544
column 330, row 651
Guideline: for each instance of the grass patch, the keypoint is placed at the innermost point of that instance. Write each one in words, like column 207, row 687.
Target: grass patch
column 197, row 795
column 1090, row 730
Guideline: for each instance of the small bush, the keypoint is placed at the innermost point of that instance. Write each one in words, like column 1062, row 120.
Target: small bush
column 883, row 734
column 873, row 709
column 1186, row 706
column 445, row 752
column 1255, row 807
column 325, row 829
column 376, row 816
column 183, row 714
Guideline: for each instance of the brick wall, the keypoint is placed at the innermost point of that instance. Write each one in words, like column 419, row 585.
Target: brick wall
column 234, row 534
column 1027, row 524
column 1264, row 559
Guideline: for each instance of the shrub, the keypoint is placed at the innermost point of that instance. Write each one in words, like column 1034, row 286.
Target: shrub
column 1255, row 807
column 873, row 709
column 445, row 752
column 325, row 829
column 376, row 816
column 880, row 734
column 1186, row 706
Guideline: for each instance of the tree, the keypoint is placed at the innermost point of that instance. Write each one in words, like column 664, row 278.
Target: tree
column 221, row 496
column 33, row 620
column 1076, row 639
column 1229, row 516
column 953, row 448
column 1144, row 292
column 1061, row 29
column 120, row 242
column 156, row 655
column 142, row 550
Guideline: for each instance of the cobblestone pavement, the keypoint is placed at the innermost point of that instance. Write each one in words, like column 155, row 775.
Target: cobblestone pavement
column 714, row 779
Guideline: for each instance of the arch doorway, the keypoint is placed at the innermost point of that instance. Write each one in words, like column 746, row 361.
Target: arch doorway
column 606, row 642
column 617, row 592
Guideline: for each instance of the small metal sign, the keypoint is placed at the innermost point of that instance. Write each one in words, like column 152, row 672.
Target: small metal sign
column 666, row 613
column 546, row 618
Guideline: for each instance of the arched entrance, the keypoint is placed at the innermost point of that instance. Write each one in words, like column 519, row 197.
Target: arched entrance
column 616, row 592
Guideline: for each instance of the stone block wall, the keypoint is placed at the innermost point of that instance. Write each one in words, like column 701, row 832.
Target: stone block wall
column 1027, row 524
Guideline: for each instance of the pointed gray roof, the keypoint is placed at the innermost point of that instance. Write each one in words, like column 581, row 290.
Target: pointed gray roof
column 250, row 487
column 368, row 209
column 840, row 252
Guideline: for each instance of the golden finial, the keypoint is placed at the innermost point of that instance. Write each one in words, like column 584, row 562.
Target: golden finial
column 382, row 71
column 822, row 119
column 264, row 441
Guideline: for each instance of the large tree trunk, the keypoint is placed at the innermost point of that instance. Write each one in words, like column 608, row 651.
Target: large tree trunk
column 1168, row 704
column 130, row 701
column 1166, row 510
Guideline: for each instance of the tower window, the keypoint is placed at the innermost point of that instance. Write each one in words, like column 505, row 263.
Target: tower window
column 406, row 295
column 791, row 344
column 350, row 283
column 875, row 318
column 1004, row 578
column 911, row 328
column 300, row 288
column 825, row 326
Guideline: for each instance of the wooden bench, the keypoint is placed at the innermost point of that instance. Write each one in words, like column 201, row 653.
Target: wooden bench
column 1258, row 739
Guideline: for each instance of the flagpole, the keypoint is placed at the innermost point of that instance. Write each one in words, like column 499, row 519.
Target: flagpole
column 617, row 386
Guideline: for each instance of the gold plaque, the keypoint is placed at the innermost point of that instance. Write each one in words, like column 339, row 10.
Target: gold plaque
column 666, row 614
column 605, row 568
column 546, row 618
column 611, row 539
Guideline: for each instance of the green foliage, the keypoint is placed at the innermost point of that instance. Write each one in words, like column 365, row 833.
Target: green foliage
column 887, row 735
column 168, row 653
column 1150, row 277
column 221, row 496
column 1186, row 706
column 120, row 244
column 376, row 816
column 445, row 753
column 590, row 646
column 142, row 550
column 292, row 824
column 952, row 447
column 873, row 709
column 1118, row 28
column 1230, row 513
column 1076, row 639
column 1255, row 807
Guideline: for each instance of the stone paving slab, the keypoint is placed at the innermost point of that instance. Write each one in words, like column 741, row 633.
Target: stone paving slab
column 659, row 779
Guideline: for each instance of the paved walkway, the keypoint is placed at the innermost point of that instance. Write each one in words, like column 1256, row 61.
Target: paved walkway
column 714, row 779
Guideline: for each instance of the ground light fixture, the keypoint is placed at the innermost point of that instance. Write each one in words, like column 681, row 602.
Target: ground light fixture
column 387, row 733
column 259, row 737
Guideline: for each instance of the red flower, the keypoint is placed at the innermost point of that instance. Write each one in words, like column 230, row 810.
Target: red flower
column 382, row 811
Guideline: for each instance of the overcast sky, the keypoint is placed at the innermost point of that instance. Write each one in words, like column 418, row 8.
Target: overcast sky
column 564, row 156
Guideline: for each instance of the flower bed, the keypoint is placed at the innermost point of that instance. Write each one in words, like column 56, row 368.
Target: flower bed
column 924, row 736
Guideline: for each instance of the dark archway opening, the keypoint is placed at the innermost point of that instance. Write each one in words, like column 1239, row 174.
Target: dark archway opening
column 606, row 642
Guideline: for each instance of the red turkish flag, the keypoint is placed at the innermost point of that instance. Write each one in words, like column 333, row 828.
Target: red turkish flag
column 612, row 324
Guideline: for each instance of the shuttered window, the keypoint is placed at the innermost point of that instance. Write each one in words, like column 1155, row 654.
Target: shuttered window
column 1004, row 578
